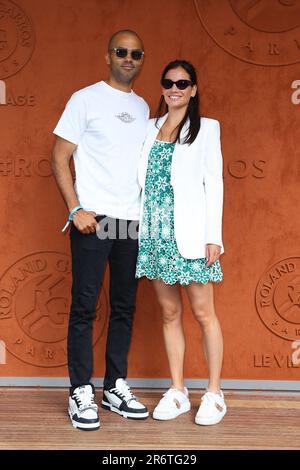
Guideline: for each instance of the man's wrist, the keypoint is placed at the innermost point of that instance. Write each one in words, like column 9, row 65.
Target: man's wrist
column 71, row 213
column 74, row 210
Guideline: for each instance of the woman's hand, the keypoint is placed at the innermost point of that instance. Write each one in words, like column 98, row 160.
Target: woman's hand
column 212, row 253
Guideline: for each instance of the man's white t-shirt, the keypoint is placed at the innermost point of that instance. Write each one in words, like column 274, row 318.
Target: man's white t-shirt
column 109, row 127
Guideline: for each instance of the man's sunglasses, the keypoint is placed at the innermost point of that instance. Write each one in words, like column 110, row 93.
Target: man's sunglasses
column 122, row 52
column 181, row 84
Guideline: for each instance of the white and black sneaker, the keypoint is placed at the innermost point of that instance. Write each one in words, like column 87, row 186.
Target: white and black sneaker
column 121, row 400
column 82, row 409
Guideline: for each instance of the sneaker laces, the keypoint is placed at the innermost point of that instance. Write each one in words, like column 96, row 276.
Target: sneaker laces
column 168, row 395
column 84, row 400
column 124, row 392
column 212, row 398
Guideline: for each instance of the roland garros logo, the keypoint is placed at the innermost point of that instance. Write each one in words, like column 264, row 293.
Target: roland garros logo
column 35, row 306
column 262, row 32
column 278, row 298
column 17, row 38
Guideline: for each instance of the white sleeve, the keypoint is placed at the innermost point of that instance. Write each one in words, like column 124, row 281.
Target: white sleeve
column 73, row 121
column 213, row 185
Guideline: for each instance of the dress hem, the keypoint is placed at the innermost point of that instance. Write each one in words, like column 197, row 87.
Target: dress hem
column 172, row 283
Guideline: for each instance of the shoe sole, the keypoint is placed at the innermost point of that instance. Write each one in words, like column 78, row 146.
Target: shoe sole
column 166, row 418
column 84, row 426
column 209, row 422
column 125, row 414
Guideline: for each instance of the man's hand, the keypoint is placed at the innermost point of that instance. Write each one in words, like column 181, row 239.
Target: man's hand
column 85, row 221
column 212, row 253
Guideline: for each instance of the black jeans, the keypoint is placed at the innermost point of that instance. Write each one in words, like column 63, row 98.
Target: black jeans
column 89, row 257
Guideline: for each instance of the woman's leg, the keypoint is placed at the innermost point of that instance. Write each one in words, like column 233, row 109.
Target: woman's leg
column 201, row 297
column 170, row 301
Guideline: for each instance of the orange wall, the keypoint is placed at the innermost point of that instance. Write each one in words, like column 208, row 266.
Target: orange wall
column 247, row 59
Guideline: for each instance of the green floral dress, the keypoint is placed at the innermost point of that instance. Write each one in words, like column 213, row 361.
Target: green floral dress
column 158, row 256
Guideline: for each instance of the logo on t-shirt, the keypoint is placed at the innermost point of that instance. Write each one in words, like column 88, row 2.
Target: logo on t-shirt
column 125, row 117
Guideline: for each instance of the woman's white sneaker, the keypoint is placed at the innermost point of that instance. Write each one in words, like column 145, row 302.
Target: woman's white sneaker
column 212, row 409
column 173, row 403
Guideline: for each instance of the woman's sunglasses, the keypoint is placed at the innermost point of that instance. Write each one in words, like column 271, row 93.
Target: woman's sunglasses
column 181, row 84
column 122, row 52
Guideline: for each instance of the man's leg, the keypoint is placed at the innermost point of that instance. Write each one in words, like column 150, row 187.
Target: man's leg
column 122, row 264
column 117, row 395
column 89, row 256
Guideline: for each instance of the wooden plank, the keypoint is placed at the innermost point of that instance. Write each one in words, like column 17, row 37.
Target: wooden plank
column 37, row 419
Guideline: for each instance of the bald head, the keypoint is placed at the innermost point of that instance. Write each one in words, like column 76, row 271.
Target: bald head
column 113, row 42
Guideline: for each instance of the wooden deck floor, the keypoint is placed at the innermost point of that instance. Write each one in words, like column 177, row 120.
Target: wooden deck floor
column 36, row 418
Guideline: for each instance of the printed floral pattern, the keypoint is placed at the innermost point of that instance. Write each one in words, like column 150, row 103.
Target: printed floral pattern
column 158, row 256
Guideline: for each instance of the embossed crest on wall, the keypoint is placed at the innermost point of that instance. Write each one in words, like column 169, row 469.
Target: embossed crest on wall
column 261, row 32
column 34, row 309
column 278, row 298
column 17, row 38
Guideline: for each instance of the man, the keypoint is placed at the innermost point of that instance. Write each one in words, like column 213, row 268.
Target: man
column 103, row 126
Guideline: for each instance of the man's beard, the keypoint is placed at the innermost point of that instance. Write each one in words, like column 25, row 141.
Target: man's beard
column 123, row 76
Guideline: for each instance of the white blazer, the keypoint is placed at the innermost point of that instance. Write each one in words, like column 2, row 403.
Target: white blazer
column 196, row 178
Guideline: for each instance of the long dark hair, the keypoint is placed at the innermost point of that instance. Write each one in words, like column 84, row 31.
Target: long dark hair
column 192, row 113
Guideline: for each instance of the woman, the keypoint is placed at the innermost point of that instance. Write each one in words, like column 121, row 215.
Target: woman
column 180, row 172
